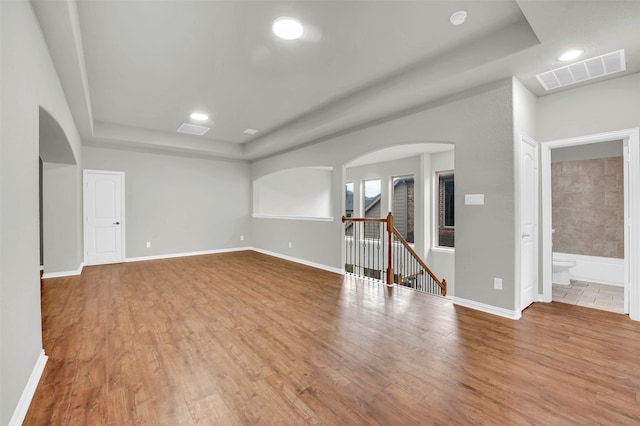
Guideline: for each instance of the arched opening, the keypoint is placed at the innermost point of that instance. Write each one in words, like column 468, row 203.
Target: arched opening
column 413, row 182
column 59, row 189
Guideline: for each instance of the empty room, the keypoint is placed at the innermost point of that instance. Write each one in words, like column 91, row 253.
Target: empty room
column 319, row 212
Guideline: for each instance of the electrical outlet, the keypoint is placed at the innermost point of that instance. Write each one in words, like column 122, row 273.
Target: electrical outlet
column 241, row 237
column 497, row 283
column 148, row 244
column 290, row 245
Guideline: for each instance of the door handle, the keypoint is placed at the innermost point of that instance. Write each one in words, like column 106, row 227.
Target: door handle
column 525, row 235
column 116, row 223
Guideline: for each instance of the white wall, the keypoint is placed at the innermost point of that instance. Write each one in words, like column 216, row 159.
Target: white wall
column 301, row 192
column 480, row 124
column 29, row 81
column 596, row 108
column 179, row 204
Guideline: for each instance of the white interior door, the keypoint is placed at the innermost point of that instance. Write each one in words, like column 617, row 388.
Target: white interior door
column 528, row 221
column 103, row 216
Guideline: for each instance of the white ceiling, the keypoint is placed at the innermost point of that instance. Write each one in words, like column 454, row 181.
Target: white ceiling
column 133, row 71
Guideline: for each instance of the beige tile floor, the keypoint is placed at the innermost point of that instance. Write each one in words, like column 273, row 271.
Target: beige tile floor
column 591, row 295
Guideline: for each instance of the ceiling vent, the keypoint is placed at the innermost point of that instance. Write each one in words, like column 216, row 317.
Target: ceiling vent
column 582, row 71
column 192, row 129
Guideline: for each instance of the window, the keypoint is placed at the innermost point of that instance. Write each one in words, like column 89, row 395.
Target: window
column 446, row 216
column 403, row 206
column 372, row 206
column 348, row 203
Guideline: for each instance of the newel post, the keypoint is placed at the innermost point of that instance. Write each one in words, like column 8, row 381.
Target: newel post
column 390, row 245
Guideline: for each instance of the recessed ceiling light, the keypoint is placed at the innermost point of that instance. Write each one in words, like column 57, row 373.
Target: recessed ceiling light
column 570, row 55
column 250, row 131
column 287, row 28
column 459, row 17
column 198, row 116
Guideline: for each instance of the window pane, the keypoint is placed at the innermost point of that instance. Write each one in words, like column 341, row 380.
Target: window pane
column 348, row 208
column 446, row 210
column 403, row 206
column 348, row 205
column 372, row 206
column 371, row 202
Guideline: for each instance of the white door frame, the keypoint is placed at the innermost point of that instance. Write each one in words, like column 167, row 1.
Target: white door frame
column 536, row 237
column 631, row 141
column 85, row 172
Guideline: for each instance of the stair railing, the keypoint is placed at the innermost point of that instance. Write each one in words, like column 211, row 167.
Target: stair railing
column 374, row 246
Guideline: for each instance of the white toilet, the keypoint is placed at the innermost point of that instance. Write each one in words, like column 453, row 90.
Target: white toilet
column 561, row 270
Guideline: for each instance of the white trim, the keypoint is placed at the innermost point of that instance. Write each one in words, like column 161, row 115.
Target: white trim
column 631, row 140
column 443, row 250
column 301, row 261
column 546, row 197
column 29, row 390
column 490, row 309
column 64, row 273
column 541, row 298
column 185, row 254
column 271, row 216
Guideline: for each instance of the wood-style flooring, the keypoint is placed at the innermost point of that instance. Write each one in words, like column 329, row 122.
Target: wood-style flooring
column 244, row 338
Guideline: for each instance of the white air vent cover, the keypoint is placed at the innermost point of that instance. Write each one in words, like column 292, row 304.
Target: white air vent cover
column 192, row 129
column 584, row 70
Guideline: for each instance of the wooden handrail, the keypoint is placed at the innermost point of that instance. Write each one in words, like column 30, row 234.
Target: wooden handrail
column 405, row 277
column 361, row 219
column 442, row 283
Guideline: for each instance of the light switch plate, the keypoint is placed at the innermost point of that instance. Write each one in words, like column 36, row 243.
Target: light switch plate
column 474, row 199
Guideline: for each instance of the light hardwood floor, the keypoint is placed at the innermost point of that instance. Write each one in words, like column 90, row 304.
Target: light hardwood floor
column 244, row 338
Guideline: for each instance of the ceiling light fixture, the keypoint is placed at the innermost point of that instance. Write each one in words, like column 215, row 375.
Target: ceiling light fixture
column 287, row 28
column 458, row 17
column 570, row 55
column 250, row 131
column 198, row 116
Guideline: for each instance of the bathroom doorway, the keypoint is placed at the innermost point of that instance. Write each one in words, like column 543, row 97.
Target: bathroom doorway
column 628, row 247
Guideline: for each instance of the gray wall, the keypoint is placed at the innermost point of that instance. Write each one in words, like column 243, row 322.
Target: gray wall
column 62, row 218
column 597, row 108
column 179, row 204
column 29, row 81
column 587, row 152
column 442, row 262
column 480, row 123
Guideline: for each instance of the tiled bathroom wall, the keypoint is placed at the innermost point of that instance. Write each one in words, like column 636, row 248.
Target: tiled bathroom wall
column 588, row 207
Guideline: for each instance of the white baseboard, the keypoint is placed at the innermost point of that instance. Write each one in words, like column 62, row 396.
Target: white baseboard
column 301, row 261
column 191, row 253
column 29, row 390
column 490, row 309
column 595, row 269
column 64, row 273
column 542, row 299
column 227, row 250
